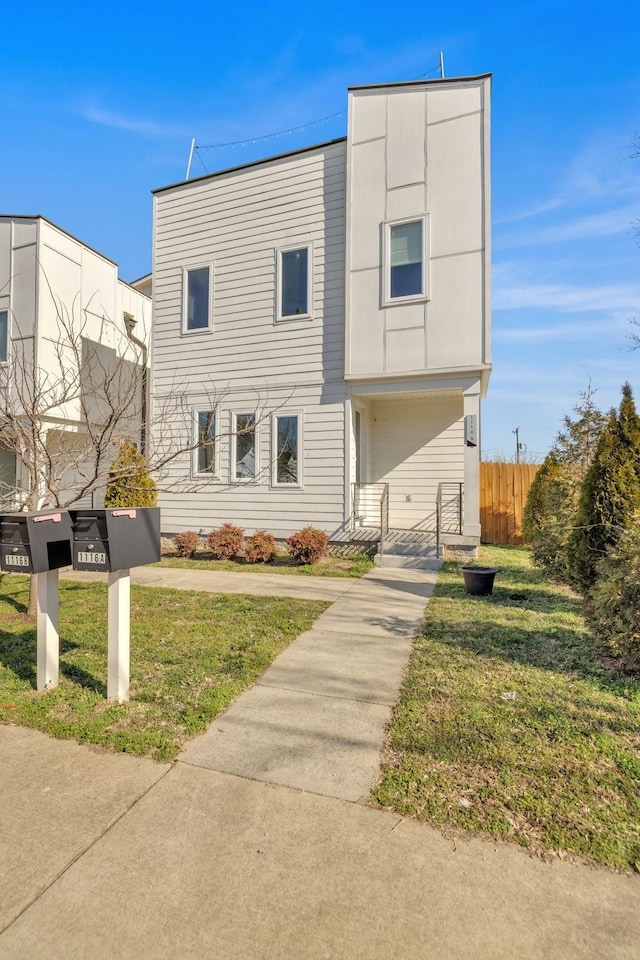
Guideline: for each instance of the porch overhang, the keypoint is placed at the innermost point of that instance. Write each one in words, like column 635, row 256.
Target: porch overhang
column 472, row 381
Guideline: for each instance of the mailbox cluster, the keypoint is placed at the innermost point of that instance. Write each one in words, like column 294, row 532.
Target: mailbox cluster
column 113, row 541
column 105, row 540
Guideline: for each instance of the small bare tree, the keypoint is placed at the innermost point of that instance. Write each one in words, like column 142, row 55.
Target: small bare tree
column 67, row 403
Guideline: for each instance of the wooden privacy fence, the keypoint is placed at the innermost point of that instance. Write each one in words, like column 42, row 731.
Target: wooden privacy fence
column 504, row 488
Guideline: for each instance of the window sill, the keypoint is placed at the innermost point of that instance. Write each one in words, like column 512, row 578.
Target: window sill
column 294, row 316
column 398, row 301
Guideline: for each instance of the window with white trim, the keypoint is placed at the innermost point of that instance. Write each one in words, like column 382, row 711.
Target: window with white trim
column 4, row 336
column 406, row 260
column 287, row 448
column 197, row 283
column 205, row 452
column 244, row 459
column 294, row 282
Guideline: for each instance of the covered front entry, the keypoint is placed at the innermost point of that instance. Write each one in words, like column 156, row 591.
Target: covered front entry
column 411, row 448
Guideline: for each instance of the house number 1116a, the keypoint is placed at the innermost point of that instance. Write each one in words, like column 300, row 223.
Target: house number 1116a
column 91, row 557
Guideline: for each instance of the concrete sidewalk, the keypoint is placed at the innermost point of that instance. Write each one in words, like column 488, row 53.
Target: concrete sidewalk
column 221, row 581
column 251, row 847
column 115, row 857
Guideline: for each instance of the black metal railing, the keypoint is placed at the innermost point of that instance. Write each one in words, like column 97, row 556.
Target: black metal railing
column 449, row 509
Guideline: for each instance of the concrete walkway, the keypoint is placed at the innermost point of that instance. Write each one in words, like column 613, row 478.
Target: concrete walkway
column 316, row 719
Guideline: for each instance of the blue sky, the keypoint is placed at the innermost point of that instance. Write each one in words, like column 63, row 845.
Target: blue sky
column 99, row 106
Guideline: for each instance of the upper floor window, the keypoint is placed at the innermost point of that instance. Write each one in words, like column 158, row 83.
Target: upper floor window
column 406, row 260
column 4, row 335
column 205, row 460
column 294, row 282
column 196, row 298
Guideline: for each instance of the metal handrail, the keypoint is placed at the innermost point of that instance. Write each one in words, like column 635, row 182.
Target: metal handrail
column 446, row 512
column 384, row 517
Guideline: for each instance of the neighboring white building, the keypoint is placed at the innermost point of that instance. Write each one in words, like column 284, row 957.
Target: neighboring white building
column 49, row 280
column 338, row 298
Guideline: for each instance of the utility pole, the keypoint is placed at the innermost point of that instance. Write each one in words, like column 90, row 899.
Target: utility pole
column 517, row 433
column 442, row 65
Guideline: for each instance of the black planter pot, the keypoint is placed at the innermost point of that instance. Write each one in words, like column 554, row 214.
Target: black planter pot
column 479, row 580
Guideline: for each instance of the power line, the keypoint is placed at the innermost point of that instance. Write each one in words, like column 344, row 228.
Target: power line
column 263, row 138
column 270, row 136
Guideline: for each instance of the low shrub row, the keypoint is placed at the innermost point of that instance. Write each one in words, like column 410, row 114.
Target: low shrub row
column 228, row 542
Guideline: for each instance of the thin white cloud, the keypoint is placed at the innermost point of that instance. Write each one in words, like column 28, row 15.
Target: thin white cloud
column 551, row 332
column 512, row 293
column 606, row 224
column 138, row 125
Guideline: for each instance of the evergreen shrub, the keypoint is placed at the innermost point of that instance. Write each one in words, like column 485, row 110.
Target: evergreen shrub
column 129, row 483
column 613, row 609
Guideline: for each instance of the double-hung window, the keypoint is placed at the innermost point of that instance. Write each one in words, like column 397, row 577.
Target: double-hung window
column 287, row 450
column 244, row 456
column 205, row 452
column 294, row 283
column 406, row 276
column 4, row 336
column 197, row 298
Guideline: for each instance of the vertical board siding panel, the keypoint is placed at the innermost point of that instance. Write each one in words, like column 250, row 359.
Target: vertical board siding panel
column 504, row 488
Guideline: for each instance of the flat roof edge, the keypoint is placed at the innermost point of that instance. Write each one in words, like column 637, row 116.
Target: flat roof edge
column 251, row 163
column 414, row 83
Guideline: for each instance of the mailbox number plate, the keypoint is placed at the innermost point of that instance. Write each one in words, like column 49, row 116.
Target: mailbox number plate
column 16, row 558
column 90, row 556
column 93, row 558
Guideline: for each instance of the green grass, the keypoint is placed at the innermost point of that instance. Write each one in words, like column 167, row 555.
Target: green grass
column 510, row 725
column 354, row 566
column 191, row 655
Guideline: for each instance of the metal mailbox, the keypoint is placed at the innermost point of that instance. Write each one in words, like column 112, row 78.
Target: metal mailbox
column 35, row 541
column 115, row 539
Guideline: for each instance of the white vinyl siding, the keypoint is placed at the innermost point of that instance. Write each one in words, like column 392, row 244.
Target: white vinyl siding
column 415, row 445
column 281, row 509
column 236, row 221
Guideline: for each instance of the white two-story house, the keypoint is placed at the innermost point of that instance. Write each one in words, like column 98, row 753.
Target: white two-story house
column 336, row 299
column 73, row 337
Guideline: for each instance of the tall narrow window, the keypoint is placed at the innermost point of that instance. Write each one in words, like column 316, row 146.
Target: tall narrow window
column 4, row 335
column 406, row 260
column 294, row 283
column 244, row 461
column 197, row 299
column 205, row 453
column 287, row 449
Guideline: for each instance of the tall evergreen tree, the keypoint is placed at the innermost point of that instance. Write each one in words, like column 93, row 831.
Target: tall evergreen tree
column 553, row 498
column 609, row 496
column 547, row 516
column 129, row 483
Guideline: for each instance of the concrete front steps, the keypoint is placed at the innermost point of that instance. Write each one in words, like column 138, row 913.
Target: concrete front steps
column 410, row 556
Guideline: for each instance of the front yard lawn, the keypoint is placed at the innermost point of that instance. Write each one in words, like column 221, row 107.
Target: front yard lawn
column 191, row 655
column 510, row 725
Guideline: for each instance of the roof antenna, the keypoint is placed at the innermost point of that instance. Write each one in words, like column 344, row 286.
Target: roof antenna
column 441, row 65
column 193, row 146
